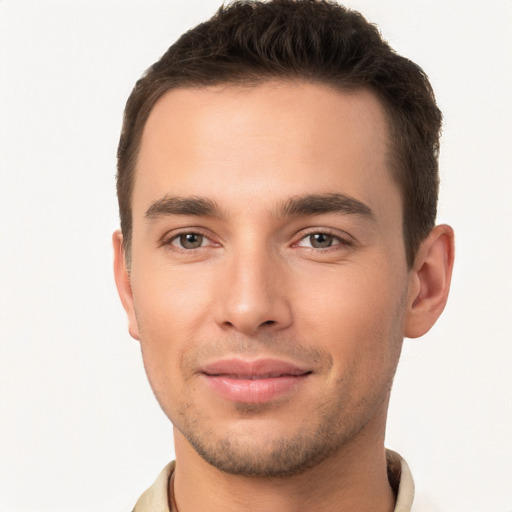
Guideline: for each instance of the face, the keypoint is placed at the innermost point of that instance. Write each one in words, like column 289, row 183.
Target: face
column 268, row 275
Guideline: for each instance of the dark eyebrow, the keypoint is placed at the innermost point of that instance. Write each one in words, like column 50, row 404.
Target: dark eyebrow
column 174, row 205
column 325, row 203
column 313, row 204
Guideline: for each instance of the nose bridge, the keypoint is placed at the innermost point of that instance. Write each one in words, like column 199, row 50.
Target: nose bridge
column 252, row 295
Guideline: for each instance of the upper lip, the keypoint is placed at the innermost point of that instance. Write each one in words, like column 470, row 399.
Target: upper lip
column 264, row 368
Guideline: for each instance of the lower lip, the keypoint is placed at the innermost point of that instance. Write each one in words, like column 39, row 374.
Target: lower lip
column 253, row 391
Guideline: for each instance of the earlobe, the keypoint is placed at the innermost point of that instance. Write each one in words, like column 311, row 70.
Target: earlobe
column 429, row 281
column 122, row 278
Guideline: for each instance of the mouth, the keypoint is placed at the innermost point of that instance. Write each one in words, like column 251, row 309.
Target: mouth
column 257, row 381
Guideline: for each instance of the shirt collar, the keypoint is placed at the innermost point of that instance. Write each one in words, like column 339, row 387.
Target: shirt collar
column 156, row 498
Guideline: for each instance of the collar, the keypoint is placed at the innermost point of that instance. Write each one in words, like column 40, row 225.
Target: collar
column 156, row 498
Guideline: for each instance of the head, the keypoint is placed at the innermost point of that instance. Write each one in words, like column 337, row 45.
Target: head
column 277, row 186
column 311, row 41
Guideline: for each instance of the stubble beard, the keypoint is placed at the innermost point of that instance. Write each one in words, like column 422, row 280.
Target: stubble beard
column 276, row 458
column 267, row 456
column 330, row 428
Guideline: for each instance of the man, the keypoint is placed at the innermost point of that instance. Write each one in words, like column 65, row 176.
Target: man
column 277, row 184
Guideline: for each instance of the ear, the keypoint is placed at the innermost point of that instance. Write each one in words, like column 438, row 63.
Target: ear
column 122, row 277
column 429, row 281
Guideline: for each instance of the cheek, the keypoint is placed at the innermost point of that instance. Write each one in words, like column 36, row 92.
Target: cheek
column 171, row 310
column 169, row 302
column 357, row 315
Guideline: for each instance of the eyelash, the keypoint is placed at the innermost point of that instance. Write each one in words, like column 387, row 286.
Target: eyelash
column 344, row 241
column 338, row 240
column 168, row 241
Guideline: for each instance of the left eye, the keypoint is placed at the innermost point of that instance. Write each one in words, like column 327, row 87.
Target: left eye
column 189, row 241
column 320, row 240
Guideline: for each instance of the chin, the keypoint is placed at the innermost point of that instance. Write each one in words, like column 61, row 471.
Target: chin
column 263, row 451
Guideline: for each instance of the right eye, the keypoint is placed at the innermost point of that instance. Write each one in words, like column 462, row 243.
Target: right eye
column 189, row 241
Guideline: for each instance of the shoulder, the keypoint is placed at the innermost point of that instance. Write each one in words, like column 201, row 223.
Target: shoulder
column 155, row 498
column 408, row 498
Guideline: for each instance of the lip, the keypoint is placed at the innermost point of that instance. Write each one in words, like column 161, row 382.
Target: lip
column 258, row 381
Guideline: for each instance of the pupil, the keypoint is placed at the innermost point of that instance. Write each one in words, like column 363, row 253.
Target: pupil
column 321, row 240
column 191, row 240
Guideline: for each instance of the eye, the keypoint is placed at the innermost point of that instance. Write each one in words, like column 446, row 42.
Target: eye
column 322, row 240
column 189, row 241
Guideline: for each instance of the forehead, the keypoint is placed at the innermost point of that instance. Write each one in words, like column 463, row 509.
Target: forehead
column 264, row 141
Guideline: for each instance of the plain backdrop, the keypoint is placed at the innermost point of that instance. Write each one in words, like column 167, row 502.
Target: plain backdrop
column 79, row 428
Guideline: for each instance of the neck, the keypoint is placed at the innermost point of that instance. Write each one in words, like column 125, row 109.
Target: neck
column 355, row 478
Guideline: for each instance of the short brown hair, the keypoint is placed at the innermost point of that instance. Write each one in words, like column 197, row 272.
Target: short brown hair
column 310, row 40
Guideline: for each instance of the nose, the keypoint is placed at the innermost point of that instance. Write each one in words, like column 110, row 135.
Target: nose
column 252, row 295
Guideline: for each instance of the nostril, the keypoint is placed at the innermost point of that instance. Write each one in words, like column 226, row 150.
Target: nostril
column 269, row 322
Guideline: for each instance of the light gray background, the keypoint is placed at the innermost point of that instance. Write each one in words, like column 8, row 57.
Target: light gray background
column 79, row 428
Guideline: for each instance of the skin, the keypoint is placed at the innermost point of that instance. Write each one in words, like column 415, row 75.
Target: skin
column 259, row 285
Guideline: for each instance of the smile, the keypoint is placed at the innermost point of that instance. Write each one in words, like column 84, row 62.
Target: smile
column 257, row 381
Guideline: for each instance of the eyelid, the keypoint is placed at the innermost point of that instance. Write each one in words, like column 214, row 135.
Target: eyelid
column 176, row 233
column 344, row 238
